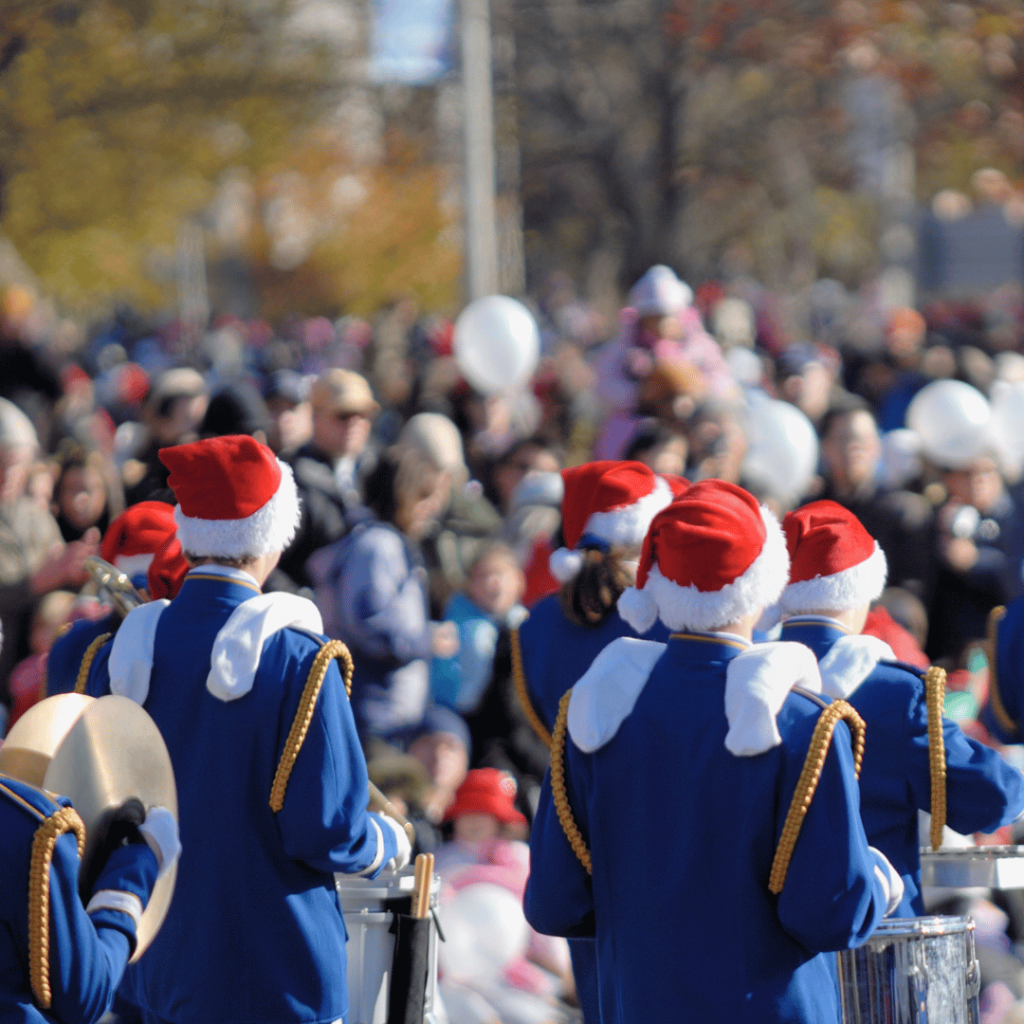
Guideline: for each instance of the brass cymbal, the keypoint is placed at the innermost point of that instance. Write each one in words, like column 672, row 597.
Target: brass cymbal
column 113, row 757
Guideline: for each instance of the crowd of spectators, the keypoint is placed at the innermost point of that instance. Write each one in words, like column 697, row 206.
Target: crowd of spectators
column 429, row 510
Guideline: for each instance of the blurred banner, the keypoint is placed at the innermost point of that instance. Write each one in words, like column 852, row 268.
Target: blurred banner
column 411, row 41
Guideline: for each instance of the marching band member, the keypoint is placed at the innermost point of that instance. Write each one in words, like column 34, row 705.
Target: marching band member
column 272, row 784
column 667, row 827
column 60, row 960
column 607, row 507
column 838, row 569
column 129, row 544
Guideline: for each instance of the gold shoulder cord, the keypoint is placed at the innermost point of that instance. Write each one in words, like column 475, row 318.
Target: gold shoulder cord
column 558, row 788
column 935, row 695
column 61, row 821
column 87, row 658
column 995, row 698
column 519, row 681
column 304, row 714
column 821, row 740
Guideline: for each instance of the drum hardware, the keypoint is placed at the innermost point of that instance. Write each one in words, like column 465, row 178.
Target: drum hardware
column 374, row 911
column 912, row 970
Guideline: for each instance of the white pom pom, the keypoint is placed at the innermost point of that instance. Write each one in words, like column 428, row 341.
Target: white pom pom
column 638, row 608
column 565, row 565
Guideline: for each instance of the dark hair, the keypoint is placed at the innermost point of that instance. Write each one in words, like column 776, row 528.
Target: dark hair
column 843, row 405
column 590, row 597
column 398, row 470
column 651, row 435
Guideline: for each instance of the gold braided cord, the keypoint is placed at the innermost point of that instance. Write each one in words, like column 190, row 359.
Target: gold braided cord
column 519, row 681
column 90, row 653
column 821, row 740
column 558, row 788
column 63, row 820
column 995, row 698
column 935, row 695
column 304, row 714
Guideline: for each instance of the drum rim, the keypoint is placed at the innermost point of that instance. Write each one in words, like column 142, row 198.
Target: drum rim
column 933, row 924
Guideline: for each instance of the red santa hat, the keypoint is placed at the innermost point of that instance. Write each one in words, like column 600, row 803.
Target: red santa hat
column 486, row 791
column 710, row 558
column 167, row 571
column 133, row 537
column 608, row 504
column 235, row 498
column 836, row 563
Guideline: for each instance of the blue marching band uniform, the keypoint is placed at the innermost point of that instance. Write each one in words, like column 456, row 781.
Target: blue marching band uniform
column 982, row 790
column 60, row 960
column 659, row 836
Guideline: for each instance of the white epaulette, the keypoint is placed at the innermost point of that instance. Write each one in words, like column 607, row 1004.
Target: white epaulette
column 235, row 657
column 606, row 693
column 849, row 661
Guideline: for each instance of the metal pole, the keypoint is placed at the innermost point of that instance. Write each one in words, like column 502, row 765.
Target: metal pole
column 478, row 99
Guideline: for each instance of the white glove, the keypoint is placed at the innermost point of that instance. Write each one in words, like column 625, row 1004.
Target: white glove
column 160, row 830
column 890, row 879
column 404, row 852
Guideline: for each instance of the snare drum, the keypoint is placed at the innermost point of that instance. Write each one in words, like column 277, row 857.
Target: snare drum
column 369, row 908
column 913, row 970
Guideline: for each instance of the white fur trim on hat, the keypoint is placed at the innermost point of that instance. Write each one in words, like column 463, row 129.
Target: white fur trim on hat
column 841, row 591
column 627, row 527
column 565, row 565
column 133, row 565
column 604, row 697
column 638, row 608
column 238, row 646
column 269, row 529
column 756, row 684
column 689, row 608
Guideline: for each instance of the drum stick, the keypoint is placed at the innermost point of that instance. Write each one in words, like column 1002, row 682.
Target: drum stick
column 424, row 878
column 381, row 803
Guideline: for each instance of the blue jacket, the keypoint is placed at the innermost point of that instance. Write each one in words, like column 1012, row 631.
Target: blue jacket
column 255, row 931
column 375, row 596
column 88, row 951
column 556, row 652
column 67, row 652
column 983, row 791
column 683, row 835
column 1002, row 713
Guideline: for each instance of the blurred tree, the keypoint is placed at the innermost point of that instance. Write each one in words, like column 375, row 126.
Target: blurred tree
column 122, row 120
column 717, row 134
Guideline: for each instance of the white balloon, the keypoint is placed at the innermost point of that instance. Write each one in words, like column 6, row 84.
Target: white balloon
column 953, row 420
column 782, row 449
column 485, row 930
column 496, row 344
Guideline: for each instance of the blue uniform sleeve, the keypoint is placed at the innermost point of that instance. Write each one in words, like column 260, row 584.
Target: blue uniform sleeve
column 324, row 821
column 89, row 950
column 833, row 897
column 983, row 790
column 559, row 898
